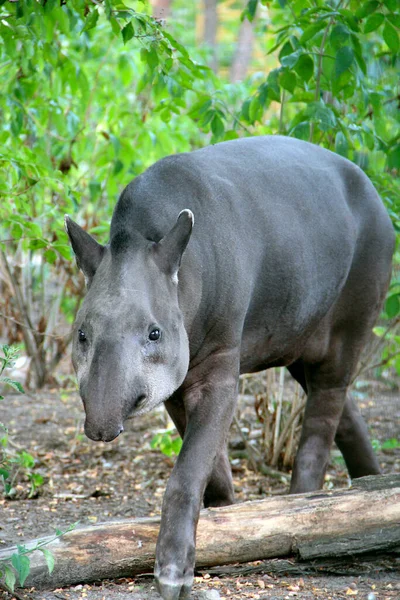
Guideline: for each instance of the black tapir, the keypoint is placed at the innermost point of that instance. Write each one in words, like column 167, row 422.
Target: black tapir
column 288, row 265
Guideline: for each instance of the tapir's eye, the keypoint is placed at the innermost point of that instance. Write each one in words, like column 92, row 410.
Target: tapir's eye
column 154, row 334
column 81, row 336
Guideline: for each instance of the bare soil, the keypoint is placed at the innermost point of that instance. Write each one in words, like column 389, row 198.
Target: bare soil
column 88, row 482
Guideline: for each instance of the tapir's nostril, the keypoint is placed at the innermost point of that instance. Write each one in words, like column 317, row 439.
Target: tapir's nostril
column 121, row 430
column 139, row 400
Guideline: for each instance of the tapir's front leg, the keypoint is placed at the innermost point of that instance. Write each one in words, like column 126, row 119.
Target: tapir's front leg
column 210, row 392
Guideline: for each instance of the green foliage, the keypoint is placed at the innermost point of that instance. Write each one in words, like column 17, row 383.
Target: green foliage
column 337, row 84
column 387, row 445
column 93, row 93
column 7, row 361
column 168, row 442
column 17, row 566
column 14, row 463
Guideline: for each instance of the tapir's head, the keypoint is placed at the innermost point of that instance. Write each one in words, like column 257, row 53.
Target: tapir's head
column 130, row 348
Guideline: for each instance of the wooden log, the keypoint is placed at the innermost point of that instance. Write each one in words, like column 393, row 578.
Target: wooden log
column 321, row 524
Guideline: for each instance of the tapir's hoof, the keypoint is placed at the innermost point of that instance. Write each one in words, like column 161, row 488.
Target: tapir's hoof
column 172, row 585
column 173, row 591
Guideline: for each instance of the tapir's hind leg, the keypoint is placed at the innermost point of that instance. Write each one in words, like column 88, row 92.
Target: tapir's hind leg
column 352, row 436
column 353, row 441
column 329, row 361
column 219, row 490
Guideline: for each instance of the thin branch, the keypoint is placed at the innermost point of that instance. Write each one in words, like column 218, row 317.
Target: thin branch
column 283, row 436
column 281, row 112
column 382, row 363
column 319, row 71
column 36, row 331
column 249, row 449
column 374, row 348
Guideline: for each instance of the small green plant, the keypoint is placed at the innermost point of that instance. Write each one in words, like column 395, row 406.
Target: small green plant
column 168, row 442
column 391, row 444
column 10, row 355
column 18, row 564
column 14, row 463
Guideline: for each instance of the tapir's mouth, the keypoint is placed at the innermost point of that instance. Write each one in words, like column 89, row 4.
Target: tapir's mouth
column 102, row 436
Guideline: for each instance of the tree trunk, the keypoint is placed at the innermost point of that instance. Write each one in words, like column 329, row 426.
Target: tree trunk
column 210, row 30
column 321, row 524
column 244, row 51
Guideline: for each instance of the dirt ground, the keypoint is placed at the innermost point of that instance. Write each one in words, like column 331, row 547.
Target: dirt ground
column 91, row 482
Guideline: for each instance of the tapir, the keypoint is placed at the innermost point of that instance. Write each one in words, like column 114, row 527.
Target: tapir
column 287, row 265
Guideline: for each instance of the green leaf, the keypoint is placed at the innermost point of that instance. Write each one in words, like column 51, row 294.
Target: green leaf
column 91, row 20
column 251, row 9
column 286, row 49
column 37, row 244
column 217, row 127
column 175, row 44
column 274, row 92
column 21, row 564
column 339, row 36
column 305, row 67
column 390, row 444
column 63, row 249
column 291, row 59
column 391, row 37
column 176, row 445
column 394, row 19
column 231, row 135
column 393, row 158
column 14, row 384
column 344, row 60
column 358, row 53
column 115, row 26
column 4, row 473
column 366, row 9
column 9, row 577
column 391, row 4
column 311, row 31
column 350, row 19
column 26, row 460
column 50, row 256
column 287, row 80
column 392, row 306
column 127, row 32
column 373, row 22
column 322, row 115
column 341, row 144
column 49, row 558
column 34, row 229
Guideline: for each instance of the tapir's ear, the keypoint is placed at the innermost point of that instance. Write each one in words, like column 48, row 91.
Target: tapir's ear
column 170, row 248
column 88, row 252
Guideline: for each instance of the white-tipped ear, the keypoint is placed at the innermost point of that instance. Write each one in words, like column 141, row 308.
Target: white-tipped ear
column 169, row 250
column 88, row 252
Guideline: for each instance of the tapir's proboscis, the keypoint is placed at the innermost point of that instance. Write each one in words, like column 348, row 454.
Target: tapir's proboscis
column 287, row 265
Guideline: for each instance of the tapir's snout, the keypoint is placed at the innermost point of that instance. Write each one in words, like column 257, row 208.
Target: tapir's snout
column 108, row 433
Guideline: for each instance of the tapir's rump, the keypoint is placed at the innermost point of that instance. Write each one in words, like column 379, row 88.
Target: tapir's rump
column 288, row 264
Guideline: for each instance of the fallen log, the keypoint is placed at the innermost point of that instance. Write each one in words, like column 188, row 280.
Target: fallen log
column 363, row 519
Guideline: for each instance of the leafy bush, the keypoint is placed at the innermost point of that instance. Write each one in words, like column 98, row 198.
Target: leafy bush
column 168, row 442
column 13, row 462
column 17, row 566
column 96, row 92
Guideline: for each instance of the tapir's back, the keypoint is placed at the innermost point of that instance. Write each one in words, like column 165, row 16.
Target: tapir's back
column 279, row 223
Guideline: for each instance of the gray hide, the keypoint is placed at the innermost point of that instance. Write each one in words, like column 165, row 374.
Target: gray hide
column 288, row 264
